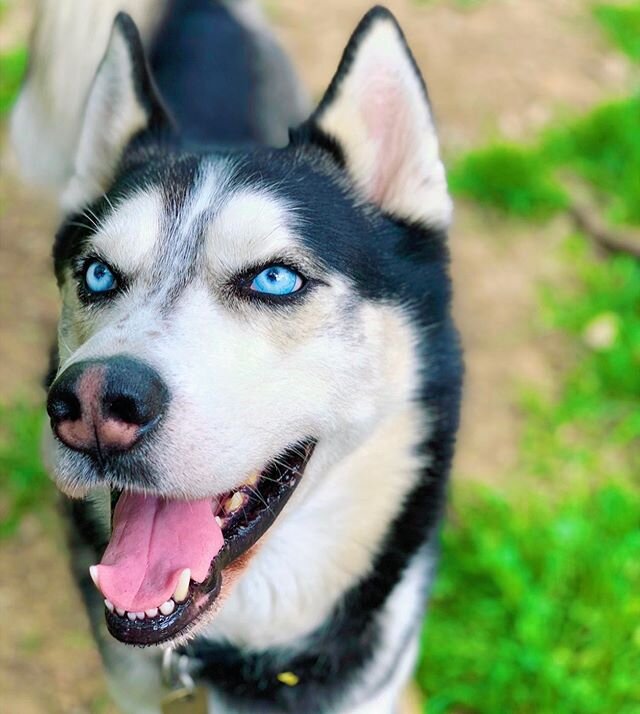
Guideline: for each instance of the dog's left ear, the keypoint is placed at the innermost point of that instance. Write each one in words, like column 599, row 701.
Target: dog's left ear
column 377, row 112
column 123, row 104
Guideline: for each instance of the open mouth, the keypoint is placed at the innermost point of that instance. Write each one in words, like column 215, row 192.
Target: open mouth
column 163, row 568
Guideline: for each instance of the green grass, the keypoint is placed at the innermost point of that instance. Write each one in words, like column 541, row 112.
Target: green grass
column 601, row 148
column 508, row 178
column 621, row 24
column 536, row 608
column 24, row 486
column 587, row 432
column 13, row 65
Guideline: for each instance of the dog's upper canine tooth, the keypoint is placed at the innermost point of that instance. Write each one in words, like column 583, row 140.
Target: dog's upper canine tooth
column 93, row 572
column 235, row 502
column 182, row 588
column 253, row 478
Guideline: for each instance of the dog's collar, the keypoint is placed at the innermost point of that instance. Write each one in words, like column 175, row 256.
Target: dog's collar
column 179, row 672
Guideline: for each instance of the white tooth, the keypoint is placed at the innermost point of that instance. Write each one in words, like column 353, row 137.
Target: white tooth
column 253, row 479
column 219, row 521
column 131, row 616
column 120, row 612
column 182, row 588
column 140, row 615
column 235, row 502
column 93, row 572
column 151, row 612
column 167, row 607
column 109, row 605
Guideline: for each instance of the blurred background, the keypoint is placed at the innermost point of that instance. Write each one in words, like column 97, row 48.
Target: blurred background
column 537, row 605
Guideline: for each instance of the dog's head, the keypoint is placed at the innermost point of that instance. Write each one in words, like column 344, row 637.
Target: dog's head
column 234, row 323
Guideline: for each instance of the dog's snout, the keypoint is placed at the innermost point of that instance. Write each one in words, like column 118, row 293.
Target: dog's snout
column 106, row 405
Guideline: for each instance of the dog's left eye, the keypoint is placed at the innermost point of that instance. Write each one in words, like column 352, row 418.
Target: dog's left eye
column 277, row 280
column 99, row 278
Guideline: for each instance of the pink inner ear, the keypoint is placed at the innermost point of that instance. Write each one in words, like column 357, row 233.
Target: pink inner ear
column 385, row 106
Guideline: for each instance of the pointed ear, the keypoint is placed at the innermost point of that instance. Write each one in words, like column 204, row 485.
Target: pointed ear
column 122, row 103
column 377, row 112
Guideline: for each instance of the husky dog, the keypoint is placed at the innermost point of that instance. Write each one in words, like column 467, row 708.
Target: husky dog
column 255, row 391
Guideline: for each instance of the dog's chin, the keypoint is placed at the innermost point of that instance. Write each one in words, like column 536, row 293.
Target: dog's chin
column 243, row 516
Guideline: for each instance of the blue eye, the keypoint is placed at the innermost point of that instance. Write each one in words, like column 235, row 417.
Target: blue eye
column 277, row 280
column 99, row 278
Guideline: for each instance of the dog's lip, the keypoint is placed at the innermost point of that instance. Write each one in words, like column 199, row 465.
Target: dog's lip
column 241, row 534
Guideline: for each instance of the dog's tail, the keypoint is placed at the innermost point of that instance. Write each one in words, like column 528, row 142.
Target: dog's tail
column 68, row 42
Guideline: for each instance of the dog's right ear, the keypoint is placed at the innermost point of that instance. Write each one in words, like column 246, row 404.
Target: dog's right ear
column 123, row 103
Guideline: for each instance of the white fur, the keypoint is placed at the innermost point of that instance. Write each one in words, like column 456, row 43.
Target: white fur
column 112, row 117
column 248, row 382
column 381, row 118
column 231, row 371
column 395, row 657
column 130, row 232
column 68, row 42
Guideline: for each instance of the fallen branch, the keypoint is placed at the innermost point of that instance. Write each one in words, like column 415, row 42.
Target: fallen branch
column 589, row 222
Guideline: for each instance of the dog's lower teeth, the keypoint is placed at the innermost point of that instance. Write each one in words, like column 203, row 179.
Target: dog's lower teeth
column 140, row 615
column 109, row 605
column 167, row 607
column 120, row 612
column 131, row 616
column 152, row 612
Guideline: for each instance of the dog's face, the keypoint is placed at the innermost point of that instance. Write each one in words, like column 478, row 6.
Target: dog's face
column 234, row 323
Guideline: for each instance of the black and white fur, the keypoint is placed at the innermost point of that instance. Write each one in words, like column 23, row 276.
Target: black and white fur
column 173, row 174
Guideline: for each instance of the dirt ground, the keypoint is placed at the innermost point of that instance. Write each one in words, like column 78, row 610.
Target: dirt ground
column 502, row 67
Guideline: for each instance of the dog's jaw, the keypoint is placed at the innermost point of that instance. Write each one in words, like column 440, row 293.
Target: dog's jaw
column 232, row 524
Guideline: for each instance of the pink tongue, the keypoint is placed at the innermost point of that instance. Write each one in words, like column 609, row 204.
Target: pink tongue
column 153, row 541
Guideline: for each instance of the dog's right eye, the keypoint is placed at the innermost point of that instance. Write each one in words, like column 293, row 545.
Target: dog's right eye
column 276, row 280
column 99, row 278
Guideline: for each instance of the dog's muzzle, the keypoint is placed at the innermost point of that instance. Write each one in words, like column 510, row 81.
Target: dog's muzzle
column 106, row 406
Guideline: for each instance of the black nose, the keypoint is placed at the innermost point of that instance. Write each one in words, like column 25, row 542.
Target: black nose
column 107, row 404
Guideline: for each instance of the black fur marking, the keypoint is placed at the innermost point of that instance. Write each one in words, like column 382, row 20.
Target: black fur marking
column 203, row 64
column 159, row 120
column 310, row 133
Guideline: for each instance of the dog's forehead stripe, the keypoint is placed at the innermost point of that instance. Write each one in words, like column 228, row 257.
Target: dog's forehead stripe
column 188, row 203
